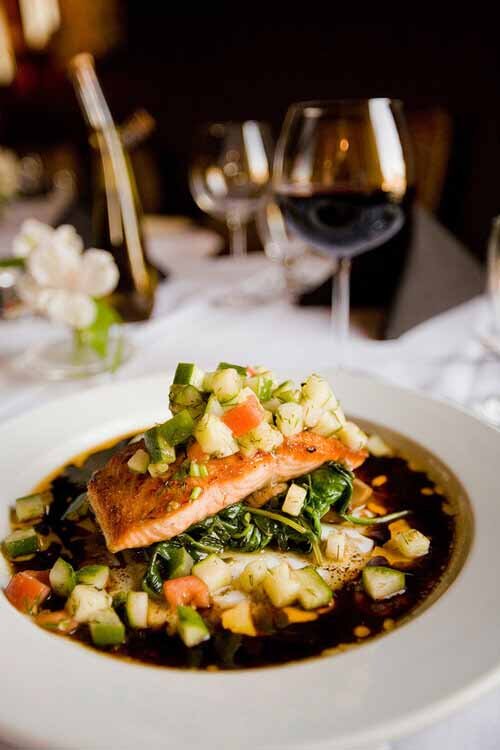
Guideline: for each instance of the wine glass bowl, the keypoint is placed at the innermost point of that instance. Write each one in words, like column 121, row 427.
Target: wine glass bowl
column 343, row 177
column 230, row 173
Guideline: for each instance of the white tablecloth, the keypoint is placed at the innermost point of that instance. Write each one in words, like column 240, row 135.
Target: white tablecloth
column 442, row 357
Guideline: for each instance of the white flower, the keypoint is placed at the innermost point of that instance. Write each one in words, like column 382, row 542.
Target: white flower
column 61, row 280
column 9, row 174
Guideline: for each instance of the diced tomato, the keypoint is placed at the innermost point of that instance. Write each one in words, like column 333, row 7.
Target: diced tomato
column 250, row 371
column 60, row 621
column 40, row 575
column 195, row 453
column 244, row 417
column 186, row 590
column 26, row 592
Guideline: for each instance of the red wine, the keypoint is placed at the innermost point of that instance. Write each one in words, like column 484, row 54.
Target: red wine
column 343, row 223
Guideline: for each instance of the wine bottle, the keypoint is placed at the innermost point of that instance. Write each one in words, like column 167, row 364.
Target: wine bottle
column 116, row 208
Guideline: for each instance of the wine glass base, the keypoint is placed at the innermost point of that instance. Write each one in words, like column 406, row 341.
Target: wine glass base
column 62, row 359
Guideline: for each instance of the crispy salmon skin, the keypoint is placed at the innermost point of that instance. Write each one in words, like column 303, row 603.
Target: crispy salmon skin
column 136, row 510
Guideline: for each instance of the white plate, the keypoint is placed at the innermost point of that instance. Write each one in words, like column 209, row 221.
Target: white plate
column 57, row 694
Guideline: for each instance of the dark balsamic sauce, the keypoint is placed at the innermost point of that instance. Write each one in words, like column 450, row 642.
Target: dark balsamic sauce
column 225, row 650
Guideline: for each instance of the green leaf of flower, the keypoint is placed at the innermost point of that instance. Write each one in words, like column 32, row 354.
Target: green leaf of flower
column 97, row 334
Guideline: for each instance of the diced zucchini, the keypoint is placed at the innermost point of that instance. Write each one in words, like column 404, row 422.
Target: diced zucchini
column 335, row 545
column 327, row 425
column 289, row 419
column 239, row 619
column 214, row 437
column 380, row 582
column 30, row 507
column 378, row 447
column 213, row 407
column 316, row 390
column 332, row 404
column 252, row 576
column 208, row 382
column 228, row 598
column 191, row 627
column 160, row 452
column 189, row 374
column 21, row 542
column 311, row 414
column 227, row 366
column 313, row 592
column 272, row 405
column 177, row 429
column 139, row 462
column 78, row 509
column 264, row 438
column 62, row 578
column 281, row 585
column 214, row 572
column 136, row 608
column 186, row 397
column 411, row 543
column 158, row 470
column 261, row 385
column 352, row 436
column 93, row 575
column 180, row 563
column 339, row 413
column 107, row 629
column 287, row 392
column 294, row 500
column 85, row 602
column 226, row 384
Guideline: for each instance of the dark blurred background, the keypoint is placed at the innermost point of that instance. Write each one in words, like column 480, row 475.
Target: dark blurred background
column 251, row 62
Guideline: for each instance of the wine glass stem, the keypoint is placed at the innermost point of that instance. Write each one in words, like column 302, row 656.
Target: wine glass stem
column 340, row 311
column 237, row 237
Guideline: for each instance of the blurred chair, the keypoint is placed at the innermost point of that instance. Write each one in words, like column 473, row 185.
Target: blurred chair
column 432, row 134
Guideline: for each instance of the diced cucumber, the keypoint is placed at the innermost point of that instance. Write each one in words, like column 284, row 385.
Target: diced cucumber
column 317, row 390
column 186, row 397
column 62, row 578
column 78, row 509
column 189, row 374
column 272, row 405
column 252, row 576
column 261, row 385
column 294, row 500
column 157, row 470
column 228, row 598
column 287, row 392
column 313, row 592
column 160, row 452
column 378, row 447
column 281, row 585
column 264, row 438
column 208, row 382
column 214, row 437
column 226, row 384
column 411, row 543
column 380, row 582
column 213, row 407
column 30, row 507
column 239, row 368
column 21, row 542
column 191, row 627
column 352, row 436
column 136, row 608
column 339, row 413
column 311, row 413
column 214, row 572
column 180, row 563
column 239, row 619
column 139, row 462
column 177, row 429
column 107, row 629
column 289, row 419
column 335, row 545
column 85, row 602
column 93, row 575
column 327, row 425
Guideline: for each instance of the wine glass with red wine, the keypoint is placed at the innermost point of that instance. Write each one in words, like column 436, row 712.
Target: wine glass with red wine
column 343, row 179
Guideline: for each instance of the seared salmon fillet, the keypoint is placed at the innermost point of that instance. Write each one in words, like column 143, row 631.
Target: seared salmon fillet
column 136, row 510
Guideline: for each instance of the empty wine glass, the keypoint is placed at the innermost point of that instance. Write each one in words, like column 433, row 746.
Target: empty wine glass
column 342, row 177
column 230, row 173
